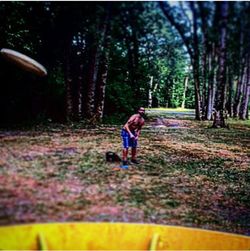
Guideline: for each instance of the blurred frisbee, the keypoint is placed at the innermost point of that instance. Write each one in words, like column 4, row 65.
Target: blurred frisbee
column 24, row 62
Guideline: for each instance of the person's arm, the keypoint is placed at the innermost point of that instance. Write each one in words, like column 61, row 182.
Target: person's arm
column 138, row 131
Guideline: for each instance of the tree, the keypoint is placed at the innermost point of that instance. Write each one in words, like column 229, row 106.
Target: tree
column 219, row 119
column 190, row 39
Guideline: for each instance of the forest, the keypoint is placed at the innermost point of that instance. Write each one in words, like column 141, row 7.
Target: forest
column 186, row 62
column 104, row 59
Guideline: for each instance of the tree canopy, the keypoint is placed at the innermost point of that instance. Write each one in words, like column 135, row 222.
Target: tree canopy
column 105, row 59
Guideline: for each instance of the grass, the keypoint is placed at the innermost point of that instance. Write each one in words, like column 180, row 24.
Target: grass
column 189, row 175
column 179, row 109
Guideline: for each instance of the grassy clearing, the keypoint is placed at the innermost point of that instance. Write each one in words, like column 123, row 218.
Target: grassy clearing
column 189, row 175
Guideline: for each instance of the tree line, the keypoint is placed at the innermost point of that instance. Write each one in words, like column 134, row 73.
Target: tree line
column 106, row 58
column 217, row 39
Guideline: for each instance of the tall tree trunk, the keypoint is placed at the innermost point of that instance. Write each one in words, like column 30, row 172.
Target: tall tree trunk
column 103, row 66
column 135, row 55
column 68, row 84
column 126, row 15
column 239, row 88
column 101, row 85
column 230, row 94
column 150, row 91
column 204, row 86
column 184, row 92
column 246, row 92
column 197, row 93
column 80, row 92
column 219, row 120
column 211, row 84
column 90, row 93
column 79, row 77
column 205, row 47
column 196, row 64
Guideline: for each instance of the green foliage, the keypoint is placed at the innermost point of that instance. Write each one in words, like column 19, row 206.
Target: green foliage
column 142, row 45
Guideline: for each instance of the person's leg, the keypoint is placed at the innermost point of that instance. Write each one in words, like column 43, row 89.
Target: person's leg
column 125, row 155
column 125, row 141
column 133, row 153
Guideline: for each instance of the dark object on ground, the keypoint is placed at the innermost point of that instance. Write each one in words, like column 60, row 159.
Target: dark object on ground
column 112, row 157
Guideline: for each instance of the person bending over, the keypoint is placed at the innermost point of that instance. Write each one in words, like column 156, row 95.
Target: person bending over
column 130, row 134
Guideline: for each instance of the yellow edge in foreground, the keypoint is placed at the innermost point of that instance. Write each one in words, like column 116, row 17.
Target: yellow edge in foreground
column 116, row 236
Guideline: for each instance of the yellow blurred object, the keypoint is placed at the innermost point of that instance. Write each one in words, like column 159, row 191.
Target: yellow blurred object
column 116, row 236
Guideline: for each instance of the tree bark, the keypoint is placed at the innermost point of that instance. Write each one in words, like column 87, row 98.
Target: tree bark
column 205, row 46
column 211, row 84
column 184, row 92
column 80, row 92
column 238, row 95
column 90, row 94
column 150, row 91
column 196, row 64
column 219, row 119
column 246, row 92
column 230, row 95
column 101, row 85
column 68, row 84
column 239, row 88
column 103, row 66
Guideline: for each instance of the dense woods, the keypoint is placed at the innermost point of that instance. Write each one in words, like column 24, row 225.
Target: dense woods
column 105, row 59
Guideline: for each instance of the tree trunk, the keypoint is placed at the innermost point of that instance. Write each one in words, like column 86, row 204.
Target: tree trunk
column 239, row 88
column 204, row 85
column 230, row 95
column 184, row 92
column 68, row 84
column 246, row 92
column 210, row 95
column 205, row 45
column 90, row 94
column 101, row 85
column 196, row 64
column 78, row 71
column 150, row 91
column 238, row 95
column 197, row 94
column 219, row 119
column 79, row 92
column 135, row 55
column 103, row 66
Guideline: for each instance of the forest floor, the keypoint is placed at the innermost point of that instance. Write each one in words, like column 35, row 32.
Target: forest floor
column 189, row 175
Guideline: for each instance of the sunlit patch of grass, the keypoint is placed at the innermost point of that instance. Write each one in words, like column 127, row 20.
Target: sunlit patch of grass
column 237, row 123
column 169, row 113
column 179, row 109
